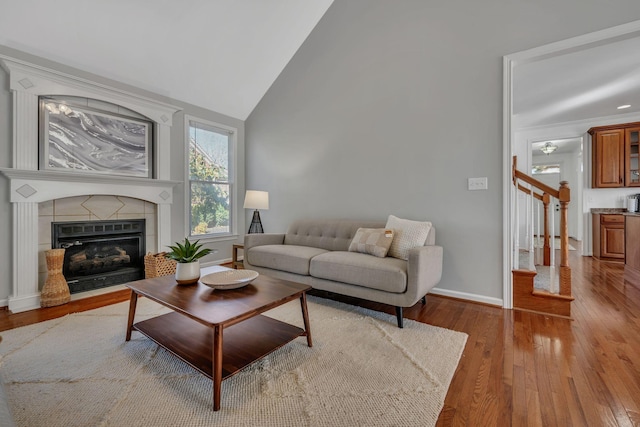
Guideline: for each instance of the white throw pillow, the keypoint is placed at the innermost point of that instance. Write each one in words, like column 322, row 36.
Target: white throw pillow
column 407, row 235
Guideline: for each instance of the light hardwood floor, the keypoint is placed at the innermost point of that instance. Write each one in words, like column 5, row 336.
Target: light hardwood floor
column 520, row 368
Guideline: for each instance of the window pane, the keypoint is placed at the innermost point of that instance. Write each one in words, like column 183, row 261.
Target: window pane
column 208, row 154
column 544, row 169
column 209, row 208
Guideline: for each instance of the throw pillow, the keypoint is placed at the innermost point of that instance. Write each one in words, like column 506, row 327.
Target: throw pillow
column 372, row 241
column 407, row 235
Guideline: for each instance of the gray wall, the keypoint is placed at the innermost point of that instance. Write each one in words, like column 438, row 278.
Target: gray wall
column 178, row 162
column 388, row 108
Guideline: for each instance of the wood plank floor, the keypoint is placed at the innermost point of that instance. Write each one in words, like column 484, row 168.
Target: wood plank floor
column 519, row 368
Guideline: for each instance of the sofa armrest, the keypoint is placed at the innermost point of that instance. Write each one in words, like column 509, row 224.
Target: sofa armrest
column 260, row 239
column 424, row 270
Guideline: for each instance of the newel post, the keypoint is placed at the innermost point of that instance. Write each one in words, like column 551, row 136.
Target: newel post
column 546, row 248
column 565, row 271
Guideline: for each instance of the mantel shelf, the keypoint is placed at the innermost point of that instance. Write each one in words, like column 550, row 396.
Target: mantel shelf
column 38, row 175
column 35, row 186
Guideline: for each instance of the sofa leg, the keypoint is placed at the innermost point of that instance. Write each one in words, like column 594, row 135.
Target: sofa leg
column 424, row 299
column 399, row 316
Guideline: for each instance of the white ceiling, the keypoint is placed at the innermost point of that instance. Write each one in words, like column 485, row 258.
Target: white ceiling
column 565, row 146
column 585, row 84
column 222, row 55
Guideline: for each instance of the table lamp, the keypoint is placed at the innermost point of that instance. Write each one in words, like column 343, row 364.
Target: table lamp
column 256, row 200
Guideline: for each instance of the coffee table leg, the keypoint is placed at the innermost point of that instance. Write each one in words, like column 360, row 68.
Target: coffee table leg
column 305, row 317
column 132, row 313
column 217, row 366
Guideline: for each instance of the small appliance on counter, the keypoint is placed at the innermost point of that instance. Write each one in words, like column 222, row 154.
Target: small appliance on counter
column 632, row 203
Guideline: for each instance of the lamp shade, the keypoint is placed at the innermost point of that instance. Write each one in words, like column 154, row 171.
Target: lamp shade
column 256, row 200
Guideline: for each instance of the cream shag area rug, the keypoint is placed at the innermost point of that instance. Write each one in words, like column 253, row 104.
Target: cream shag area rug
column 362, row 370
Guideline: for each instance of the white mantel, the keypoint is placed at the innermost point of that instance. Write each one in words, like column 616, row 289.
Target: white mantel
column 30, row 186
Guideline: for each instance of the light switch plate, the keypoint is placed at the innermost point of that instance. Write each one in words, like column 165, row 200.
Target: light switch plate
column 478, row 183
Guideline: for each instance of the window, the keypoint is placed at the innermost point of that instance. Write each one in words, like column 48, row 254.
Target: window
column 211, row 177
column 545, row 169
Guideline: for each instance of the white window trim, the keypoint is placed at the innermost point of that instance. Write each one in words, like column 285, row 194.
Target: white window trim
column 233, row 180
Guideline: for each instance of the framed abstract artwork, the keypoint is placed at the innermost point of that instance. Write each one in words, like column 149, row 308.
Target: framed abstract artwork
column 82, row 139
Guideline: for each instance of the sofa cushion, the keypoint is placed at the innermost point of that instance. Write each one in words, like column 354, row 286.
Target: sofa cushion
column 332, row 235
column 372, row 241
column 385, row 274
column 291, row 258
column 407, row 235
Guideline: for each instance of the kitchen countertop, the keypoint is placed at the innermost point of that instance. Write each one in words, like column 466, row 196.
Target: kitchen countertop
column 621, row 211
column 609, row 211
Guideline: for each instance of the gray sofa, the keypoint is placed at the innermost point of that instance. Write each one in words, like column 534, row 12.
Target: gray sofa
column 315, row 252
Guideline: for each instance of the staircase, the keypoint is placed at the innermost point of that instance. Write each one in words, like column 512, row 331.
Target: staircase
column 553, row 294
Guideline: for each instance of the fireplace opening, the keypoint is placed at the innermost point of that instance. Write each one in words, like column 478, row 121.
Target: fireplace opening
column 100, row 253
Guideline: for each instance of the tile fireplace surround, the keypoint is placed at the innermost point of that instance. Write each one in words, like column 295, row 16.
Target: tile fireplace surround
column 91, row 208
column 39, row 197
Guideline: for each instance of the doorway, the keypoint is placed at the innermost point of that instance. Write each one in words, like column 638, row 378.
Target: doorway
column 512, row 122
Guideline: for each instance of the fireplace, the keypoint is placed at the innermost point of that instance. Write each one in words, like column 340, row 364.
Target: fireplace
column 100, row 253
column 32, row 189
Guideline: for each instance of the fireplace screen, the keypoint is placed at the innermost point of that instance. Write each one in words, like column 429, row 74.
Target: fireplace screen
column 100, row 253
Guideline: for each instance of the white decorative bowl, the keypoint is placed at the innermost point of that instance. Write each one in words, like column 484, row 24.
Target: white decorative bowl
column 229, row 279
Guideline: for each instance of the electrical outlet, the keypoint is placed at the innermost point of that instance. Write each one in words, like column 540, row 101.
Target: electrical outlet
column 478, row 183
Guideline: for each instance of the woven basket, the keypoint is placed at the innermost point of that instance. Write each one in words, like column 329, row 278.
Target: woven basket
column 55, row 290
column 156, row 265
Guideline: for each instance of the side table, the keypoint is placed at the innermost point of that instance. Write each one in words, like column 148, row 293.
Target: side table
column 235, row 261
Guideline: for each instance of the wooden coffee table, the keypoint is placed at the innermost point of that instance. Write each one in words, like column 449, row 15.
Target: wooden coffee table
column 202, row 316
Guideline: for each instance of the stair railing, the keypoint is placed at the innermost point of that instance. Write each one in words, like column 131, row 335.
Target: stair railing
column 544, row 194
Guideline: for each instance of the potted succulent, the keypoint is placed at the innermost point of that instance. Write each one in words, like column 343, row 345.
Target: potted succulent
column 188, row 256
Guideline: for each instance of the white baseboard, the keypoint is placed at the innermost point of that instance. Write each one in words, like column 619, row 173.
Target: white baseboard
column 466, row 296
column 24, row 303
column 4, row 302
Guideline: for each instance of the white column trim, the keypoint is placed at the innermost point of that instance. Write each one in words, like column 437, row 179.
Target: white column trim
column 25, row 131
column 26, row 295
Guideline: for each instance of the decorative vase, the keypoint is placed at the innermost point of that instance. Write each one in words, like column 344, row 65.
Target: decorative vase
column 187, row 273
column 55, row 290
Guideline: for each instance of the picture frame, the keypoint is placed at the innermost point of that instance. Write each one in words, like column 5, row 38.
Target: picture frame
column 78, row 138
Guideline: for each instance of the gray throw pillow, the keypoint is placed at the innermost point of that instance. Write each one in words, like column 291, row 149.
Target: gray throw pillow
column 372, row 241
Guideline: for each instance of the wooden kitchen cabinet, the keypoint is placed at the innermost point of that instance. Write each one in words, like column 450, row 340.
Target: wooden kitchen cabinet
column 608, row 237
column 632, row 249
column 615, row 155
column 632, row 169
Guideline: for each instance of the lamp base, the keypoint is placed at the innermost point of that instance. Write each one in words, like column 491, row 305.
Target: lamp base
column 256, row 224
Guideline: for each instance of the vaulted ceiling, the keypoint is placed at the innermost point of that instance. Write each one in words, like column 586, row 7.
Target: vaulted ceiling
column 222, row 55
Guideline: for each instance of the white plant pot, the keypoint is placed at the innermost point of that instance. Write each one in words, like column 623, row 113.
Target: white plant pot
column 187, row 273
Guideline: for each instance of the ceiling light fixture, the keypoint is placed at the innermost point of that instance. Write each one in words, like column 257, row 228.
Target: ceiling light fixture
column 622, row 107
column 548, row 148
